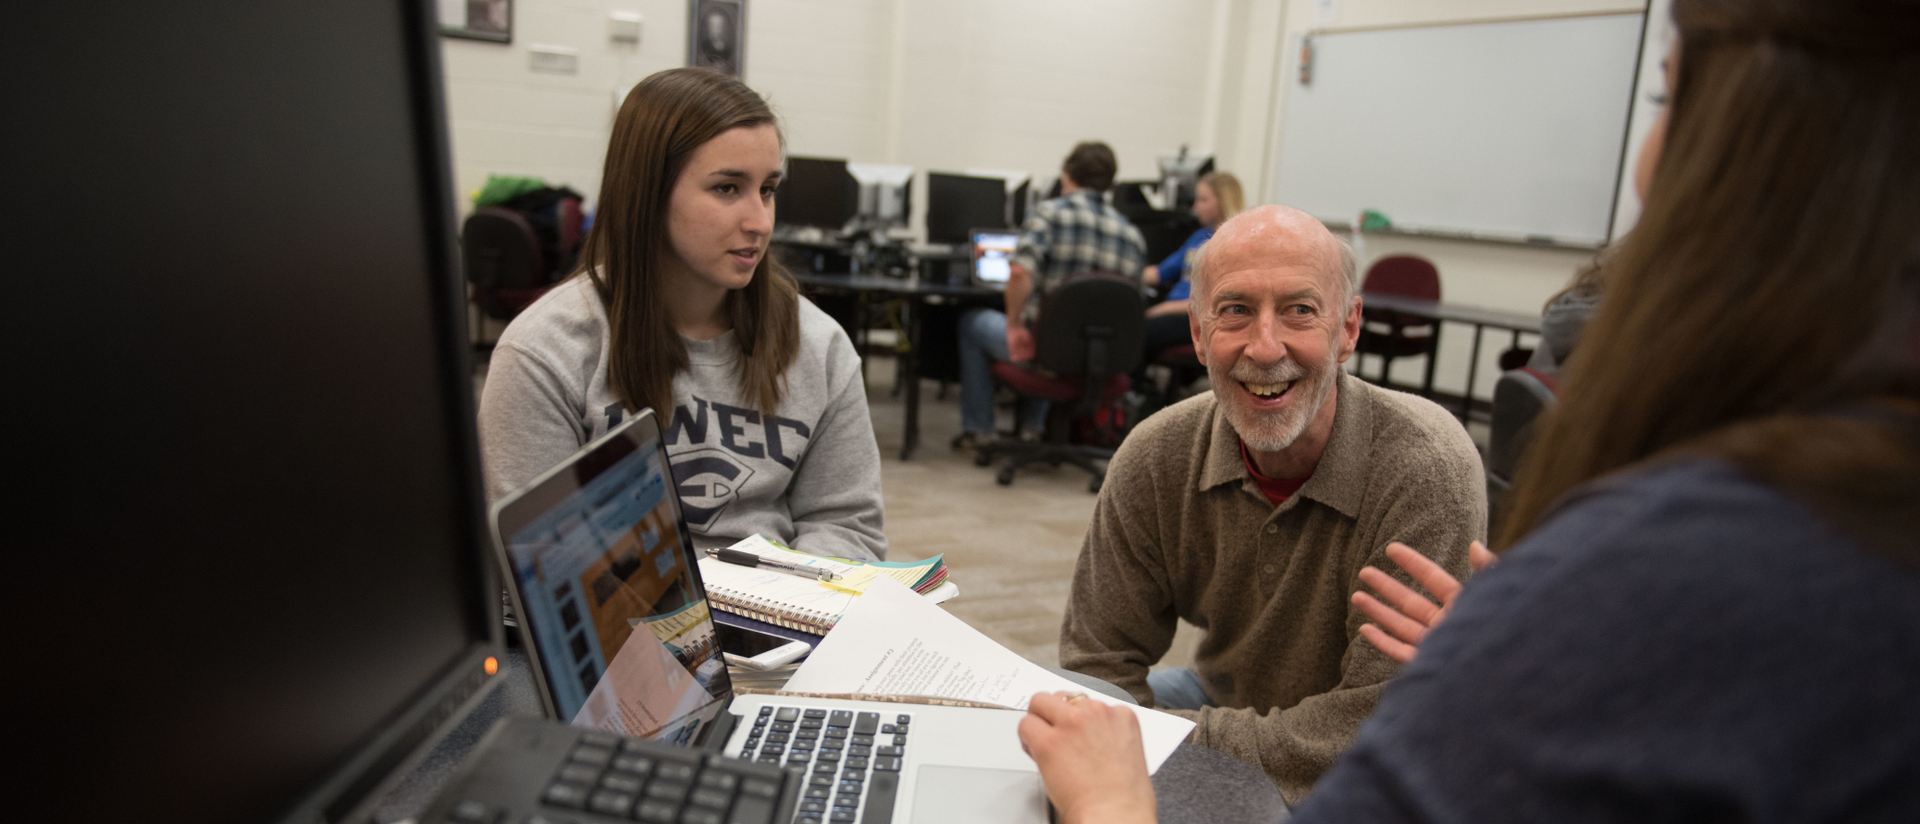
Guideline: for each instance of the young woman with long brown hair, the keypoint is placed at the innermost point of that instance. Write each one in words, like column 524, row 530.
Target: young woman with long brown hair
column 677, row 307
column 1709, row 609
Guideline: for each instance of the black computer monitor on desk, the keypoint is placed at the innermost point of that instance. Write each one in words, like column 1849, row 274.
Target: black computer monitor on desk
column 246, row 570
column 817, row 192
column 958, row 204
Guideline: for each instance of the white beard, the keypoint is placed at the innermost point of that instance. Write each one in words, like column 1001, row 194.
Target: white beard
column 1275, row 431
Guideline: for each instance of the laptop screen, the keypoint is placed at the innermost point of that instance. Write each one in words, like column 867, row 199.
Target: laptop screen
column 993, row 255
column 608, row 592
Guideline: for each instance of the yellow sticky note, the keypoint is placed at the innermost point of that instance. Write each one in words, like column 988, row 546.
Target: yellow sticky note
column 907, row 575
column 855, row 581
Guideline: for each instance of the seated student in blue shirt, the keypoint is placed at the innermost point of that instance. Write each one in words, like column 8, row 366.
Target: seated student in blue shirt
column 1215, row 201
column 1709, row 608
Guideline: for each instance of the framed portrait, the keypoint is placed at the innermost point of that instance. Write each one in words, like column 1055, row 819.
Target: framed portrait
column 477, row 19
column 717, row 36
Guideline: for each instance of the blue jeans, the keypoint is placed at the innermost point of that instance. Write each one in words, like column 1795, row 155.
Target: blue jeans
column 1178, row 688
column 983, row 340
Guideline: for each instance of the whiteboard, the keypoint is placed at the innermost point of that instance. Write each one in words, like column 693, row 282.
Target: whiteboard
column 1511, row 130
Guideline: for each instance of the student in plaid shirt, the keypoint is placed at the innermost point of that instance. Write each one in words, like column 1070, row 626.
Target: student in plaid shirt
column 1074, row 233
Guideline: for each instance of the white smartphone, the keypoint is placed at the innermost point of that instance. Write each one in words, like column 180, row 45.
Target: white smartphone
column 758, row 650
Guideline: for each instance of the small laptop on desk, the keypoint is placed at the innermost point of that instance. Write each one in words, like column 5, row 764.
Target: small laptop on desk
column 993, row 256
column 621, row 640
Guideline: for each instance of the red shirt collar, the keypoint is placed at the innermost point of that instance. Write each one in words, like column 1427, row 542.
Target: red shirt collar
column 1277, row 490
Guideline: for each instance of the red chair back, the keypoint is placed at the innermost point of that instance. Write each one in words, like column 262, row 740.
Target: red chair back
column 501, row 253
column 1404, row 275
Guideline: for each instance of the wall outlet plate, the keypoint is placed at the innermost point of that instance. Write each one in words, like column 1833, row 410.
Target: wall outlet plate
column 553, row 59
column 624, row 26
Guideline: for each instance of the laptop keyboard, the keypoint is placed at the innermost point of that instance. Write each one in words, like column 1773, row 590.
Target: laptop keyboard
column 658, row 783
column 847, row 757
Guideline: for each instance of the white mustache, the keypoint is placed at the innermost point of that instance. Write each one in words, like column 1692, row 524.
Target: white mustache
column 1282, row 372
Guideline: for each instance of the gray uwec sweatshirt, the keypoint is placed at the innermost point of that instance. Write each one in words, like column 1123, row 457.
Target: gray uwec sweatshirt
column 807, row 476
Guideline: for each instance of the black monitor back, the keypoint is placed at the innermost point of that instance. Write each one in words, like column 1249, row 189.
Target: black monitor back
column 817, row 192
column 1019, row 204
column 958, row 204
column 247, row 568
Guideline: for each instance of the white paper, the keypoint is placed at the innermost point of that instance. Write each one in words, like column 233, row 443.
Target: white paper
column 894, row 642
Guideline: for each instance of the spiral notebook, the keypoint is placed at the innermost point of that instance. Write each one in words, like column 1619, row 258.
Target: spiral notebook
column 805, row 604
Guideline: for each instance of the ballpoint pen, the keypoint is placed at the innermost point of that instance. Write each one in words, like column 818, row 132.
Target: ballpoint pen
column 748, row 559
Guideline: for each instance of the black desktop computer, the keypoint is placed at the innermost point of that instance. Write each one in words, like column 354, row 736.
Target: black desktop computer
column 816, row 192
column 1018, row 207
column 959, row 204
column 249, row 552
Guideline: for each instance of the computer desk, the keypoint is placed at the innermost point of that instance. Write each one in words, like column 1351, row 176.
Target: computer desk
column 1441, row 313
column 1197, row 784
column 917, row 293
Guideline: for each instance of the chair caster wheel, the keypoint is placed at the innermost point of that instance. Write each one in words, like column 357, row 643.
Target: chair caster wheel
column 981, row 458
column 1005, row 477
column 1093, row 486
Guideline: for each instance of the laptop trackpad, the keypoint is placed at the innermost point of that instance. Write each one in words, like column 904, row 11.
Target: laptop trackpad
column 953, row 795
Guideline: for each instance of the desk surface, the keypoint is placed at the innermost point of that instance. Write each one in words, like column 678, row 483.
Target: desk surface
column 900, row 286
column 1453, row 312
column 1196, row 784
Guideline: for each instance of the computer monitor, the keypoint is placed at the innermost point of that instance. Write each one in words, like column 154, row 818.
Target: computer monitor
column 958, row 204
column 886, row 193
column 1021, row 195
column 817, row 192
column 1180, row 174
column 248, row 560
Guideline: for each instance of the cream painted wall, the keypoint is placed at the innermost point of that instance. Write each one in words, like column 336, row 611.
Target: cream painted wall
column 505, row 118
column 824, row 65
column 1013, row 84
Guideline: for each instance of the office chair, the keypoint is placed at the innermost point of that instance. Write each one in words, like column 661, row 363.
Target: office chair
column 1518, row 399
column 1185, row 367
column 1394, row 334
column 504, row 264
column 1089, row 338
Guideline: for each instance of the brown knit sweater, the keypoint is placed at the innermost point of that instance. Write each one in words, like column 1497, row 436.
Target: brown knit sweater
column 1182, row 531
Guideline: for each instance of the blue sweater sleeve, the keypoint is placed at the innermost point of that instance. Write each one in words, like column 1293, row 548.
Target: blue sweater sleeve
column 1688, row 645
column 1174, row 268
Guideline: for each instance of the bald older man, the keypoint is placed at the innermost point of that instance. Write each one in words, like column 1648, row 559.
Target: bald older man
column 1249, row 511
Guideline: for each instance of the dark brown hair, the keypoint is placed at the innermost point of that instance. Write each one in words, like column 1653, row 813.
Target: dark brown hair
column 1091, row 165
column 664, row 119
column 1773, row 280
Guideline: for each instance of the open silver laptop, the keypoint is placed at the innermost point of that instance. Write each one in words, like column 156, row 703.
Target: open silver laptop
column 616, row 624
column 993, row 256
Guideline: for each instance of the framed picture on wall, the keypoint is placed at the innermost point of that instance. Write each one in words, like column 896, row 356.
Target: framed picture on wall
column 717, row 36
column 477, row 19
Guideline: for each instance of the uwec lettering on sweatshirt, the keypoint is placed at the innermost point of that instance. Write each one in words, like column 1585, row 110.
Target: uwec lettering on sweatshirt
column 807, row 475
